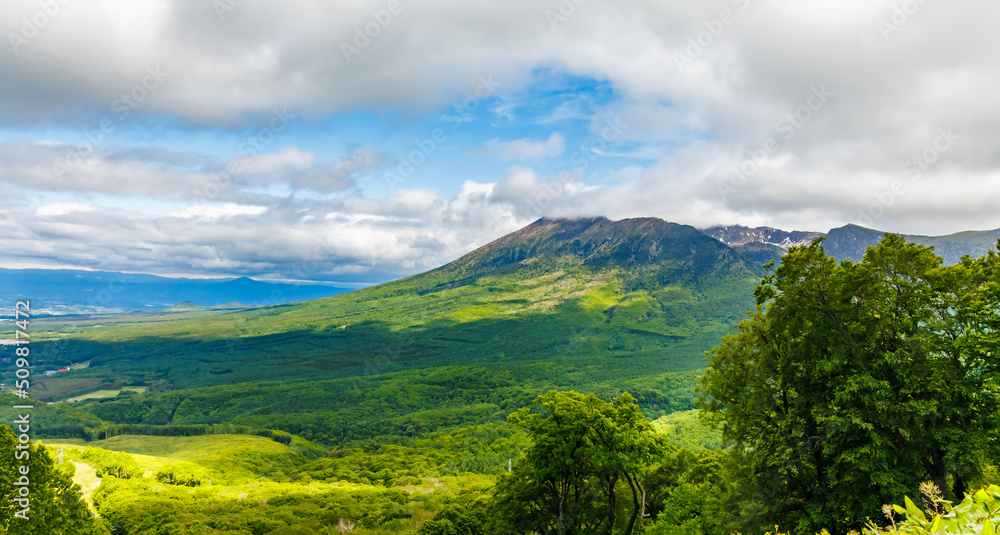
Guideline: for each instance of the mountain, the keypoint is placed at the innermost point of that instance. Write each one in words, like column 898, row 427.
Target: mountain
column 760, row 245
column 850, row 242
column 846, row 243
column 588, row 304
column 635, row 246
column 61, row 291
column 734, row 235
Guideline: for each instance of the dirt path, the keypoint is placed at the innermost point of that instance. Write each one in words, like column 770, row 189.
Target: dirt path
column 86, row 477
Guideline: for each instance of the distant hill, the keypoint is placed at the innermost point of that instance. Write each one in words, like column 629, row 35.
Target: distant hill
column 186, row 306
column 848, row 242
column 90, row 292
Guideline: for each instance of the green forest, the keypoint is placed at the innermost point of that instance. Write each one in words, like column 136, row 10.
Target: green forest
column 853, row 397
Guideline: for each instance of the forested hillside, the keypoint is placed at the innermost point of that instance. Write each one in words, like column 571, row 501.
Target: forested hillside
column 593, row 305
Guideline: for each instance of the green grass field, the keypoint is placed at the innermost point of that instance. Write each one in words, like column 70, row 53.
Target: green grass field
column 222, row 458
column 105, row 394
column 97, row 394
column 248, row 481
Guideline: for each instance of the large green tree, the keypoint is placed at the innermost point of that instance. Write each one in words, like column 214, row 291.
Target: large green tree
column 55, row 506
column 853, row 382
column 583, row 472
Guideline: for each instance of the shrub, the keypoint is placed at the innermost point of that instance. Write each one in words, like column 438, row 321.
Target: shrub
column 977, row 513
column 117, row 464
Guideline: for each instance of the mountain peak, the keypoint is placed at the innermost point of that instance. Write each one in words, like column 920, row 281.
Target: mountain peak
column 739, row 235
column 852, row 226
column 599, row 243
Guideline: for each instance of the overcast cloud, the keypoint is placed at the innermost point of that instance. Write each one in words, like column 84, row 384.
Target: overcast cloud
column 256, row 138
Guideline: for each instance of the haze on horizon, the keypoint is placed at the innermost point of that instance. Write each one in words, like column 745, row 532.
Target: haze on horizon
column 366, row 140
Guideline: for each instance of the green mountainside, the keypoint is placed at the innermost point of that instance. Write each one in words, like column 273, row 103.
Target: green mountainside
column 588, row 304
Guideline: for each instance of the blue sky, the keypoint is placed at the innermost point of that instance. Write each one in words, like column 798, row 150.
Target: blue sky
column 455, row 123
column 552, row 102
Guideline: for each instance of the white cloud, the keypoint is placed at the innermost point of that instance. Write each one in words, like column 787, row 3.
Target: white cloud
column 418, row 229
column 339, row 175
column 277, row 163
column 412, row 231
column 528, row 148
column 704, row 119
column 163, row 174
column 210, row 212
column 63, row 208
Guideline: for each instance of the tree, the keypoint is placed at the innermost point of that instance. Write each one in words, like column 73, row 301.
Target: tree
column 585, row 454
column 465, row 517
column 853, row 382
column 56, row 506
column 691, row 493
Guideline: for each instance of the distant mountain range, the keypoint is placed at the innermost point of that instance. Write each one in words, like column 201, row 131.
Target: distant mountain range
column 846, row 243
column 636, row 246
column 60, row 291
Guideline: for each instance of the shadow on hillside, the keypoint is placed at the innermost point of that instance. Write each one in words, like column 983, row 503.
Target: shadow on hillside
column 569, row 336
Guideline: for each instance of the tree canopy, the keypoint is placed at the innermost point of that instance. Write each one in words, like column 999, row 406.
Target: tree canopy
column 853, row 382
column 55, row 505
column 583, row 472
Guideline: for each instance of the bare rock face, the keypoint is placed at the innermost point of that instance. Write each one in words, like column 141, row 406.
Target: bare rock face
column 735, row 235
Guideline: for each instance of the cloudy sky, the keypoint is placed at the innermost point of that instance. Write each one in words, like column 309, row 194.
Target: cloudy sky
column 365, row 140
